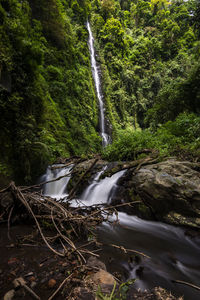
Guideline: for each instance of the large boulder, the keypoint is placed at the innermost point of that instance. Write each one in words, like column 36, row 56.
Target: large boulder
column 171, row 190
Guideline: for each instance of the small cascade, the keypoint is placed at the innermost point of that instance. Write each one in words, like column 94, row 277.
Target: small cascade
column 170, row 254
column 95, row 72
column 100, row 192
column 56, row 189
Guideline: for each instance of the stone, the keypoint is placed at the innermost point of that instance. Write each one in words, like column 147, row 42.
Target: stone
column 103, row 277
column 93, row 262
column 51, row 283
column 171, row 189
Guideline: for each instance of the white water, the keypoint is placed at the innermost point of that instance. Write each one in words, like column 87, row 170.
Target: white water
column 104, row 135
column 173, row 255
column 99, row 192
column 56, row 189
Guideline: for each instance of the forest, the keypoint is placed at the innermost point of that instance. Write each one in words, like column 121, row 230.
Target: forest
column 148, row 52
column 100, row 149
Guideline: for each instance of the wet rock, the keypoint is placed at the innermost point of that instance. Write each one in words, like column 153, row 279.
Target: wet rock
column 81, row 168
column 171, row 189
column 93, row 262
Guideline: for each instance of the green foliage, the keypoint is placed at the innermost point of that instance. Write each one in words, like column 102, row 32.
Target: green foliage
column 116, row 294
column 183, row 133
column 147, row 50
column 149, row 54
column 46, row 86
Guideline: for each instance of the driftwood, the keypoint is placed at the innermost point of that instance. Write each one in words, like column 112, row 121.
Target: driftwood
column 61, row 216
column 60, row 286
column 187, row 283
column 139, row 163
column 75, row 160
column 20, row 282
column 45, row 182
column 129, row 250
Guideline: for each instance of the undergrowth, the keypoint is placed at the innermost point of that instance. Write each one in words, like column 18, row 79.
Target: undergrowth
column 174, row 137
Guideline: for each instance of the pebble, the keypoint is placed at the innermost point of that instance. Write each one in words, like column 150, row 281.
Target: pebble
column 51, row 283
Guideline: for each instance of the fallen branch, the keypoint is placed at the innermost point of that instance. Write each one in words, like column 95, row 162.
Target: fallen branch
column 45, row 182
column 129, row 250
column 21, row 282
column 9, row 217
column 25, row 203
column 60, row 286
column 187, row 283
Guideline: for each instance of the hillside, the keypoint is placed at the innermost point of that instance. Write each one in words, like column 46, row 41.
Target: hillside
column 149, row 56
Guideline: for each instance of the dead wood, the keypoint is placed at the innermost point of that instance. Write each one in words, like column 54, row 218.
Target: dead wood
column 75, row 161
column 129, row 250
column 60, row 286
column 140, row 162
column 45, row 182
column 60, row 215
column 187, row 283
column 20, row 282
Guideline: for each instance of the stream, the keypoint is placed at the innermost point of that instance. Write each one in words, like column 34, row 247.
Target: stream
column 173, row 255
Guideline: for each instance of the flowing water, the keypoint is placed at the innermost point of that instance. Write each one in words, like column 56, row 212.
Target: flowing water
column 173, row 255
column 56, row 189
column 95, row 72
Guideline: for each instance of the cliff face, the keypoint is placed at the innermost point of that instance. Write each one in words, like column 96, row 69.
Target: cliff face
column 48, row 106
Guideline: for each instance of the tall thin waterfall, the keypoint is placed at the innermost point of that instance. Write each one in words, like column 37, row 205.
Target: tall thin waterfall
column 104, row 135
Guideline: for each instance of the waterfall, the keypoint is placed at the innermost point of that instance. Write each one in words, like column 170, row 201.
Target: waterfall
column 95, row 72
column 101, row 192
column 56, row 189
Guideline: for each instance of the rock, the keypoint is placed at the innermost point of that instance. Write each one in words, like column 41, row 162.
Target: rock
column 103, row 277
column 93, row 262
column 51, row 283
column 171, row 189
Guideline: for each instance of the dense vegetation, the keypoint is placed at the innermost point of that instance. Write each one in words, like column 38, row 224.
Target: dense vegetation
column 149, row 51
column 150, row 56
column 47, row 98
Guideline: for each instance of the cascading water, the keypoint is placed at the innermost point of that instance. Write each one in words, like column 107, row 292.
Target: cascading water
column 101, row 192
column 172, row 255
column 104, row 135
column 56, row 189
